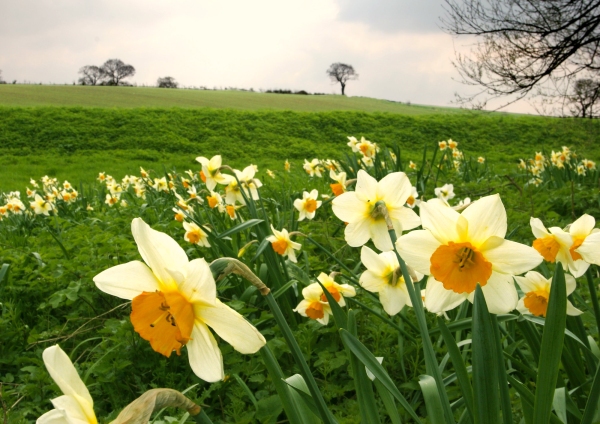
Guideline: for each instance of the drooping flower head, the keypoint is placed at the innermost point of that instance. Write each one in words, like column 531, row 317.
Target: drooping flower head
column 460, row 251
column 359, row 209
column 537, row 292
column 174, row 302
column 307, row 206
column 76, row 405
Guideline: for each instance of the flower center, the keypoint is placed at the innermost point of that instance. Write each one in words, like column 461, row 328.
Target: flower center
column 548, row 247
column 337, row 188
column 333, row 291
column 460, row 267
column 410, row 200
column 315, row 310
column 164, row 319
column 230, row 211
column 193, row 237
column 310, row 205
column 279, row 246
column 203, row 176
column 537, row 302
column 577, row 241
column 212, row 201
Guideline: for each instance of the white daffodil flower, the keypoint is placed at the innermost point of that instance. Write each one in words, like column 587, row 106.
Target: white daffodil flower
column 553, row 244
column 174, row 302
column 195, row 234
column 339, row 187
column 537, row 292
column 383, row 276
column 308, row 205
column 358, row 209
column 76, row 406
column 315, row 305
column 585, row 249
column 445, row 192
column 211, row 172
column 459, row 251
column 283, row 245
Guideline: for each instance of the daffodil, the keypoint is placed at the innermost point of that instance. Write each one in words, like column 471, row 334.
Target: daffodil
column 214, row 199
column 459, row 251
column 308, row 205
column 412, row 165
column 247, row 183
column 174, row 303
column 443, row 145
column 313, row 167
column 445, row 193
column 553, row 245
column 283, row 245
column 585, row 249
column 359, row 209
column 315, row 305
column 76, row 406
column 287, row 166
column 339, row 186
column 537, row 292
column 481, row 159
column 41, row 206
column 412, row 199
column 452, row 144
column 195, row 235
column 211, row 169
column 337, row 291
column 383, row 276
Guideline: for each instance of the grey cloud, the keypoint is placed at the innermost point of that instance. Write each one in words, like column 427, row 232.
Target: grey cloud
column 391, row 16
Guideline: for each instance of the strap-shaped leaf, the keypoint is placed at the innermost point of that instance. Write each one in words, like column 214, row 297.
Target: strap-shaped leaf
column 240, row 227
column 433, row 403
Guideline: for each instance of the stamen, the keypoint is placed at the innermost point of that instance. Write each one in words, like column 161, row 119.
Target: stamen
column 465, row 257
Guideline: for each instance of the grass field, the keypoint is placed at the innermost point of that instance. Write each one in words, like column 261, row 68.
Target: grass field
column 135, row 97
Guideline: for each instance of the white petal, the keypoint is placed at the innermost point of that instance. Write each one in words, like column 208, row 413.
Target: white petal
column 512, row 258
column 65, row 375
column 404, row 219
column 366, row 186
column 572, row 310
column 537, row 228
column 372, row 282
column 570, row 283
column 416, row 249
column 372, row 261
column 53, row 417
column 158, row 250
column 582, row 226
column 380, row 235
column 358, row 233
column 522, row 308
column 199, row 286
column 590, row 249
column 204, row 354
column 578, row 268
column 394, row 189
column 440, row 220
column 532, row 281
column 438, row 299
column 393, row 299
column 487, row 218
column 232, row 327
column 349, row 208
column 72, row 409
column 500, row 294
column 127, row 280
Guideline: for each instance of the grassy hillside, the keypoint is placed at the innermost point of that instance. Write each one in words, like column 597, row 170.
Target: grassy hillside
column 77, row 143
column 133, row 97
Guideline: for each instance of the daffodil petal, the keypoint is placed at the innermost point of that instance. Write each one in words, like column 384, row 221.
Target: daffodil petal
column 127, row 280
column 394, row 189
column 537, row 228
column 582, row 226
column 578, row 268
column 438, row 299
column 570, row 283
column 532, row 281
column 393, row 299
column 372, row 282
column 205, row 357
column 366, row 186
column 590, row 249
column 63, row 372
column 416, row 249
column 199, row 286
column 357, row 233
column 158, row 250
column 404, row 219
column 232, row 327
column 72, row 408
column 54, row 416
column 487, row 218
column 572, row 310
column 500, row 294
column 512, row 258
column 372, row 261
column 349, row 208
column 380, row 236
column 440, row 220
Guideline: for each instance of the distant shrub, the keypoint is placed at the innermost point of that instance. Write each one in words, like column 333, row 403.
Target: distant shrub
column 167, row 82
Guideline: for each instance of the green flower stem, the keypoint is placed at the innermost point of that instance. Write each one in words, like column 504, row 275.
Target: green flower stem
column 431, row 364
column 202, row 418
column 593, row 295
column 328, row 253
column 324, row 412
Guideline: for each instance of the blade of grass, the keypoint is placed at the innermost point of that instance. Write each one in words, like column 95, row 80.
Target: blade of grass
column 593, row 402
column 502, row 381
column 433, row 403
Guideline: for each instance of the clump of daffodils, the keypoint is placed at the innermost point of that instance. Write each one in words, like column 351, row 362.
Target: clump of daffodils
column 314, row 304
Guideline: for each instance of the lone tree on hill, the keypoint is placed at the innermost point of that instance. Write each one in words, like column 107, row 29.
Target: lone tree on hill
column 167, row 82
column 585, row 95
column 91, row 75
column 114, row 71
column 340, row 72
column 524, row 44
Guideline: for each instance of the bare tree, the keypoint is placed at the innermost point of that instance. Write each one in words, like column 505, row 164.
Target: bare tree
column 585, row 95
column 114, row 71
column 523, row 44
column 340, row 72
column 91, row 75
column 1, row 82
column 167, row 82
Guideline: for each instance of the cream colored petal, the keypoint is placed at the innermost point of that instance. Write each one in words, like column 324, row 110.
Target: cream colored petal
column 73, row 410
column 372, row 282
column 532, row 281
column 232, row 327
column 126, row 281
column 394, row 189
column 312, row 292
column 438, row 299
column 53, row 417
column 380, row 235
column 372, row 261
column 349, row 208
column 63, row 372
column 299, row 204
column 366, row 186
column 522, row 308
column 500, row 294
column 572, row 310
column 590, row 249
column 487, row 218
column 440, row 220
column 582, row 226
column 404, row 219
column 416, row 249
column 204, row 354
column 512, row 258
column 570, row 283
column 393, row 299
column 346, row 290
column 537, row 228
column 302, row 306
column 158, row 250
column 199, row 286
column 565, row 241
column 357, row 233
column 578, row 268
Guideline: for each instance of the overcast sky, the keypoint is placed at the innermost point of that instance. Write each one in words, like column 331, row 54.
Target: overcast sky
column 396, row 46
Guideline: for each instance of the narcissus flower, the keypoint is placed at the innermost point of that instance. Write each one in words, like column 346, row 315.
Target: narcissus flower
column 211, row 170
column 412, row 199
column 307, row 206
column 459, row 251
column 481, row 159
column 76, row 406
column 195, row 235
column 443, row 145
column 41, row 206
column 585, row 249
column 445, row 192
column 337, row 291
column 339, row 186
column 174, row 303
column 553, row 245
column 383, row 276
column 537, row 292
column 315, row 305
column 313, row 167
column 282, row 244
column 359, row 209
